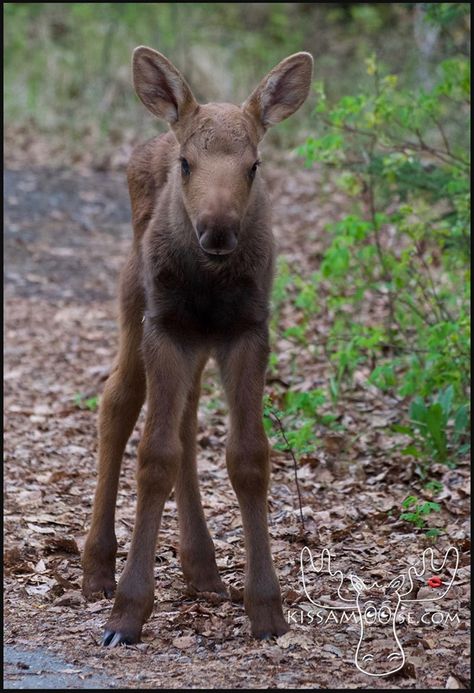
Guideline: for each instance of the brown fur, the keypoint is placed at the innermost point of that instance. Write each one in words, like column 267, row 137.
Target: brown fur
column 196, row 302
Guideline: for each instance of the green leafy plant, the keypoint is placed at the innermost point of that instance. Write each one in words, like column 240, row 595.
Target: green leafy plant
column 292, row 429
column 434, row 485
column 417, row 511
column 431, row 423
column 394, row 279
column 83, row 402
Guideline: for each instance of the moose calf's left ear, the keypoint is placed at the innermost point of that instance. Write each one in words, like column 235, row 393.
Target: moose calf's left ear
column 281, row 92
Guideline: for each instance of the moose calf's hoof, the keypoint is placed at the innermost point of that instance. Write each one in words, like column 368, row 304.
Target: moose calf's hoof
column 112, row 638
column 96, row 587
column 267, row 620
column 274, row 630
column 208, row 587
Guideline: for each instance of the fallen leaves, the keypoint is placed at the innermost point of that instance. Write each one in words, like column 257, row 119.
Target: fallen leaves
column 16, row 561
column 294, row 638
column 185, row 642
column 61, row 545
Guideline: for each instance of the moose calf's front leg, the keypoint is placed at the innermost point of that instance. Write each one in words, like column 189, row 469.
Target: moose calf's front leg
column 247, row 461
column 243, row 372
column 158, row 460
column 159, row 457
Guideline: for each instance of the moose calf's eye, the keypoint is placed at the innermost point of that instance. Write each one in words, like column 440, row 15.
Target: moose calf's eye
column 253, row 170
column 185, row 168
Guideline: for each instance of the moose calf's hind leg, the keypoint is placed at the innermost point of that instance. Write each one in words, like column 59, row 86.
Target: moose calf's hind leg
column 122, row 400
column 196, row 548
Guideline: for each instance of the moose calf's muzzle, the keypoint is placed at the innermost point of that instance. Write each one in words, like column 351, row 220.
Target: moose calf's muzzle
column 217, row 236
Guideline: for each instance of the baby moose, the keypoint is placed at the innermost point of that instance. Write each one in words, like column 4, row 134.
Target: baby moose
column 197, row 283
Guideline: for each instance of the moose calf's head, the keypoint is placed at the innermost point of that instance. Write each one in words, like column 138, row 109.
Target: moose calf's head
column 217, row 168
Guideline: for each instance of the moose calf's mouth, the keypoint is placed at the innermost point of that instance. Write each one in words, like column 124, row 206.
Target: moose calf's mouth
column 217, row 252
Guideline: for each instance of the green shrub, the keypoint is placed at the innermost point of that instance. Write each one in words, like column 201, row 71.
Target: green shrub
column 394, row 280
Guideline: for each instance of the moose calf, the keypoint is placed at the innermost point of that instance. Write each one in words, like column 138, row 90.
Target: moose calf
column 197, row 283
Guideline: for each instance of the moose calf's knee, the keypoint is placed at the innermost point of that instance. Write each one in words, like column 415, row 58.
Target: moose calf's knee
column 249, row 467
column 121, row 392
column 158, row 465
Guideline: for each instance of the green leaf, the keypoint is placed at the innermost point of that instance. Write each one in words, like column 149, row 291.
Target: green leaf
column 409, row 517
column 412, row 451
column 414, row 518
column 418, row 411
column 445, row 398
column 433, row 532
column 429, row 507
column 297, row 332
column 333, row 387
column 434, row 485
column 397, row 428
column 435, row 423
column 92, row 403
column 461, row 419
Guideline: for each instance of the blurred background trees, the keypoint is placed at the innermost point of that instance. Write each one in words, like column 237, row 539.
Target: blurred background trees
column 67, row 65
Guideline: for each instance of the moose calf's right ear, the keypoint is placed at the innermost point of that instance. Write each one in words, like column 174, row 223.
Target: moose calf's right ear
column 281, row 92
column 160, row 86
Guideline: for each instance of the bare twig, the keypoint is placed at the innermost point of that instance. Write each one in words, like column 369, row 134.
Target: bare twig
column 401, row 145
column 273, row 413
column 441, row 306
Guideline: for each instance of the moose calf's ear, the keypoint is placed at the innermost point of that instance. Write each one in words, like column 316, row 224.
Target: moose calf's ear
column 282, row 91
column 161, row 87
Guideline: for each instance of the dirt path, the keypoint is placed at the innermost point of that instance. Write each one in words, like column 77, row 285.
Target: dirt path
column 37, row 668
column 66, row 236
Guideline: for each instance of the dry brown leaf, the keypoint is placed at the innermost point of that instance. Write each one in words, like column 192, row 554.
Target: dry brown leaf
column 184, row 642
column 61, row 545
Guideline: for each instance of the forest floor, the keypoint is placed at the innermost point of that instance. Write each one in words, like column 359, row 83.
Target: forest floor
column 67, row 234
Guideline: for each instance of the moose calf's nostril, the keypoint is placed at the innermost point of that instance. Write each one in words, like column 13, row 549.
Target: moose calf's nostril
column 200, row 228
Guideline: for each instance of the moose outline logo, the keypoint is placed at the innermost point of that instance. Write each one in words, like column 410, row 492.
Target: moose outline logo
column 368, row 610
